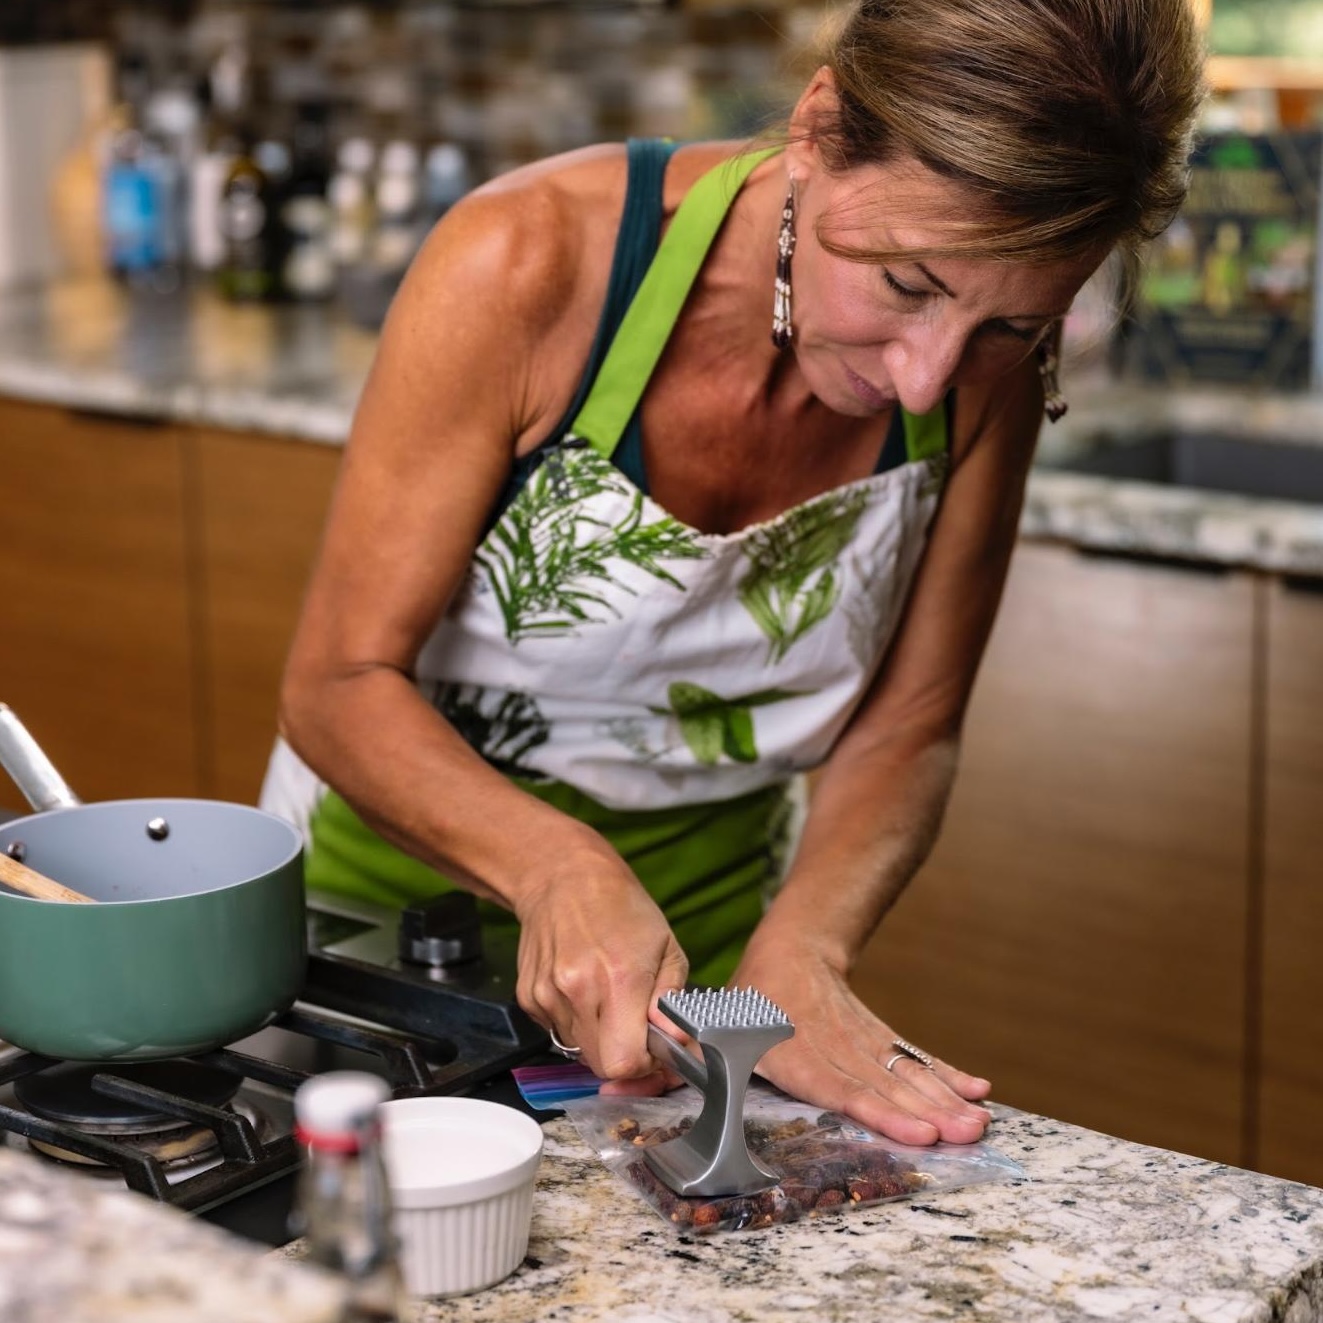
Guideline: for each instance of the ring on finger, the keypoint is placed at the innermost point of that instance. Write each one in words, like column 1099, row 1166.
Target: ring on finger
column 564, row 1048
column 904, row 1049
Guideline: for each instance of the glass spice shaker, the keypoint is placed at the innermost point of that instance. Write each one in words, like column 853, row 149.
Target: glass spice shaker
column 343, row 1206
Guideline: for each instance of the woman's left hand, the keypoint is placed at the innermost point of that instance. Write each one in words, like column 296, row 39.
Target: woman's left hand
column 837, row 1057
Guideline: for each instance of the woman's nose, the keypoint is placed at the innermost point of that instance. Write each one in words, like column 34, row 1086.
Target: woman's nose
column 922, row 365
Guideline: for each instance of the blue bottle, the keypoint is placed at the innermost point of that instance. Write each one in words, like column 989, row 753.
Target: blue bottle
column 132, row 210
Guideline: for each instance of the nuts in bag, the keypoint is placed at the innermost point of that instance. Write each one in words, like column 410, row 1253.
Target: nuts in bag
column 827, row 1163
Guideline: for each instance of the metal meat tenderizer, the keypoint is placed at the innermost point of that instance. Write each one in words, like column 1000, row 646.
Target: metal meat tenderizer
column 734, row 1027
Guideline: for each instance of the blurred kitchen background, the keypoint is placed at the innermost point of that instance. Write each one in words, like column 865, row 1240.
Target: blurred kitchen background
column 205, row 206
column 300, row 151
column 287, row 150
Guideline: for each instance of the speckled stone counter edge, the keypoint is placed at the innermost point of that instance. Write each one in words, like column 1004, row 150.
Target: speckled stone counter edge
column 1102, row 1229
column 75, row 1249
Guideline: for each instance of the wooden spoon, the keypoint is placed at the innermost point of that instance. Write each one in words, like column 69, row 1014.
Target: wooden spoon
column 31, row 883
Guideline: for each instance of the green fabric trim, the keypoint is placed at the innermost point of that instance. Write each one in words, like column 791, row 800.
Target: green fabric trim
column 708, row 866
column 925, row 433
column 646, row 327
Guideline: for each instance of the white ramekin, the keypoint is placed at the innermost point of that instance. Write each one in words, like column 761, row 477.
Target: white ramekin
column 461, row 1174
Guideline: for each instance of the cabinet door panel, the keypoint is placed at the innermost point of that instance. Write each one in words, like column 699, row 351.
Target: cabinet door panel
column 1079, row 933
column 263, row 503
column 1291, row 1097
column 95, row 655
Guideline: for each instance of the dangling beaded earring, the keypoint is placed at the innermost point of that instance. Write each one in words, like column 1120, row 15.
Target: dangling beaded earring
column 1054, row 402
column 782, row 331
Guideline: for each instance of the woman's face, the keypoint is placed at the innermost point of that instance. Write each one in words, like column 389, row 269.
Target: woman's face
column 869, row 335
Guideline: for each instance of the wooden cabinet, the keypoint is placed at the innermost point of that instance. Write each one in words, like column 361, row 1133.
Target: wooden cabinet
column 97, row 656
column 1079, row 935
column 262, row 504
column 1290, row 1098
column 151, row 577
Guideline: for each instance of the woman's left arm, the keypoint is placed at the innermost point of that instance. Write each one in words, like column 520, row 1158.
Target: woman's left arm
column 878, row 801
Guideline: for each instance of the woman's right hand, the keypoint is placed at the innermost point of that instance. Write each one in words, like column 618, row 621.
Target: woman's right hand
column 595, row 952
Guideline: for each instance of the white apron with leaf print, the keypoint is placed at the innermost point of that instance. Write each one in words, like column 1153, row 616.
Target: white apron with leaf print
column 600, row 642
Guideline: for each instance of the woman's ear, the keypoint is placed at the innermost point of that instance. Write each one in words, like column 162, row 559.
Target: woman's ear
column 814, row 112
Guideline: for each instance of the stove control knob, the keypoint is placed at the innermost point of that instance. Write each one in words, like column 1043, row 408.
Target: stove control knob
column 441, row 932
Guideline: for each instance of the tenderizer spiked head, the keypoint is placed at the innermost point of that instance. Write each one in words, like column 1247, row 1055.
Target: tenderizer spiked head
column 696, row 1009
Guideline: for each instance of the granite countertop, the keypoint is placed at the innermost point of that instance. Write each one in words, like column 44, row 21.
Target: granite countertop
column 1101, row 1229
column 297, row 372
column 74, row 1250
column 1181, row 523
column 291, row 370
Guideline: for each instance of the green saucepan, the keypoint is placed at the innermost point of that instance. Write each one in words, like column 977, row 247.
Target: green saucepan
column 197, row 938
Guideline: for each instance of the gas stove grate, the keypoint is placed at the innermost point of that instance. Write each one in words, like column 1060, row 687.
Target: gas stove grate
column 246, row 1161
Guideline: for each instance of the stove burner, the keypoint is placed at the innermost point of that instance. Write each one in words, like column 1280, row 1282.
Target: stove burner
column 65, row 1093
column 185, row 1146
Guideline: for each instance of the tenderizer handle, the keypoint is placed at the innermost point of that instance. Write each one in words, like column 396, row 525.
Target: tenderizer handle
column 669, row 1052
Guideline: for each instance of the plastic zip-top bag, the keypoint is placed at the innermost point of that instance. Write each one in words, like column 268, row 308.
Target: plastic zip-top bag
column 826, row 1164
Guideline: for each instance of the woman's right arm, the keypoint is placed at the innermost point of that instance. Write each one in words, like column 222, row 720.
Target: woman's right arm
column 466, row 372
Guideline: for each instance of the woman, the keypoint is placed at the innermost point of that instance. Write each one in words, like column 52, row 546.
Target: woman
column 574, row 629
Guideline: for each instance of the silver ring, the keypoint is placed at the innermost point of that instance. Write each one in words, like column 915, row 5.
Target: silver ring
column 564, row 1048
column 904, row 1049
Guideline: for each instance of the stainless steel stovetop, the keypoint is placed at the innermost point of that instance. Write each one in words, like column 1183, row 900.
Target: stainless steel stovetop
column 426, row 1000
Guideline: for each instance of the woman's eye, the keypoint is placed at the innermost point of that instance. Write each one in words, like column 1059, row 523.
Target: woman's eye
column 1026, row 335
column 905, row 291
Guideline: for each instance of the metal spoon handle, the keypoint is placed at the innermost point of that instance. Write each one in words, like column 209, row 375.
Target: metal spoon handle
column 26, row 762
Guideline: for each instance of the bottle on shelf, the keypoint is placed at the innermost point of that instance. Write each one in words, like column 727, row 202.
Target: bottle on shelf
column 248, row 269
column 171, row 121
column 77, row 198
column 343, row 1206
column 399, row 216
column 308, row 265
column 221, row 98
column 131, row 211
column 446, row 178
column 169, row 212
column 350, row 195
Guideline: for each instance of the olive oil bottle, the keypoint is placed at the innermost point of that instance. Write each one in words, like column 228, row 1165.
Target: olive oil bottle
column 249, row 227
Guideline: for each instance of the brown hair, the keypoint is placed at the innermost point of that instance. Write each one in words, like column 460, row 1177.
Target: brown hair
column 1068, row 122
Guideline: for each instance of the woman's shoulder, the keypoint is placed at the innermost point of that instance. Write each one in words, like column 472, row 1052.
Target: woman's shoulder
column 514, row 277
column 547, row 230
column 558, row 194
column 533, row 246
column 535, row 234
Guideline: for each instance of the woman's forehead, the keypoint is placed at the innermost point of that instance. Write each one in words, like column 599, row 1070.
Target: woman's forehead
column 911, row 213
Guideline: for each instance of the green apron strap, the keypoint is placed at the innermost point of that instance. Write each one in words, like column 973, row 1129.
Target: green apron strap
column 646, row 327
column 925, row 433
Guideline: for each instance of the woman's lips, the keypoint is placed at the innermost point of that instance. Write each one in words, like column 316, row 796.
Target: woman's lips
column 866, row 391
